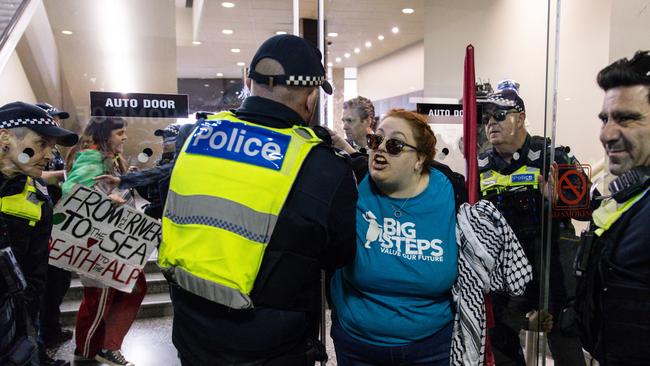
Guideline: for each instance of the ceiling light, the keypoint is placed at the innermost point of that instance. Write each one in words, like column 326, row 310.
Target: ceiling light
column 66, row 32
column 227, row 31
column 196, row 42
column 329, row 64
column 338, row 59
column 332, row 34
column 241, row 63
column 228, row 5
column 368, row 44
column 380, row 37
column 206, row 85
column 346, row 55
column 357, row 50
column 408, row 11
column 395, row 30
column 235, row 50
column 280, row 32
column 219, row 74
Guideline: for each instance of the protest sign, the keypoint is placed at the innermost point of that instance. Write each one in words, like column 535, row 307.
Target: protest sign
column 98, row 239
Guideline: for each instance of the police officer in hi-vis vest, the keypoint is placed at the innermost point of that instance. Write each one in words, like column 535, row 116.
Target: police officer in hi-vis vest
column 510, row 177
column 27, row 136
column 256, row 207
column 613, row 263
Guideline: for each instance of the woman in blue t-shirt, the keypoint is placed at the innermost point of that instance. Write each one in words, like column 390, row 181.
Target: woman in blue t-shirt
column 393, row 304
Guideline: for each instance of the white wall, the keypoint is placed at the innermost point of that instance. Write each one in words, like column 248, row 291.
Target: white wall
column 509, row 39
column 15, row 86
column 399, row 73
column 584, row 50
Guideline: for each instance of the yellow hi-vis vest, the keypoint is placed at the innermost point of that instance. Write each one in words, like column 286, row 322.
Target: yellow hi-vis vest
column 493, row 182
column 610, row 211
column 25, row 204
column 228, row 186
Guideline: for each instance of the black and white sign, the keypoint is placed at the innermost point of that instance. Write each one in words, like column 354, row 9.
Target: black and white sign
column 112, row 104
column 95, row 238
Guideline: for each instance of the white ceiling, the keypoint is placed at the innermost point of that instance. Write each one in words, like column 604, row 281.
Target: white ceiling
column 253, row 21
column 143, row 31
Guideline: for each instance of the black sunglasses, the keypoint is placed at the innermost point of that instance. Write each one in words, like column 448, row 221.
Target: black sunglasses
column 499, row 116
column 393, row 146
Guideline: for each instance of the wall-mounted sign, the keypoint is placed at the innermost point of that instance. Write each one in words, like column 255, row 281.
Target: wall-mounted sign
column 445, row 113
column 112, row 104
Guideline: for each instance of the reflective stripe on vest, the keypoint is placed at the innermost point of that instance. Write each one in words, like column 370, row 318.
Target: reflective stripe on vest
column 610, row 211
column 493, row 182
column 228, row 186
column 25, row 204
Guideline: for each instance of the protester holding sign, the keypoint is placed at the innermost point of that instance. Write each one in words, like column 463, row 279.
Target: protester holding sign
column 27, row 136
column 105, row 314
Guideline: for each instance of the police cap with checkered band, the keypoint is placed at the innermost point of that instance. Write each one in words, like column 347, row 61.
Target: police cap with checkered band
column 507, row 96
column 300, row 60
column 20, row 114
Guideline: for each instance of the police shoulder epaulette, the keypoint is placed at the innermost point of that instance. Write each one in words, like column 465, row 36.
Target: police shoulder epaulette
column 484, row 159
column 340, row 153
column 40, row 187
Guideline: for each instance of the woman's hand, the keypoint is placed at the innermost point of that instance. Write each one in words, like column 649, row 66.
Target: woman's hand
column 110, row 180
column 117, row 199
column 339, row 142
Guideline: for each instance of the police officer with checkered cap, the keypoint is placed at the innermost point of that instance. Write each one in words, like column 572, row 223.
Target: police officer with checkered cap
column 314, row 230
column 510, row 174
column 27, row 136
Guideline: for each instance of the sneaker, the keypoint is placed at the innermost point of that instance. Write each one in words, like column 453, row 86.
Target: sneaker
column 78, row 357
column 113, row 358
column 61, row 337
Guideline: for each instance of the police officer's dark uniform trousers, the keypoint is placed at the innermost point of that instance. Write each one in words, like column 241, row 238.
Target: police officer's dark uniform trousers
column 521, row 206
column 318, row 210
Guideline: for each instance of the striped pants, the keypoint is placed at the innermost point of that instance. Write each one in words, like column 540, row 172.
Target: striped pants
column 105, row 316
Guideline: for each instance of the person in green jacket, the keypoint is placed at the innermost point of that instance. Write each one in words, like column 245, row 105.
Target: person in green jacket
column 105, row 314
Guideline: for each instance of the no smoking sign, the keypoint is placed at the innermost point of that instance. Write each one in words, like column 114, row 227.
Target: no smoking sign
column 572, row 187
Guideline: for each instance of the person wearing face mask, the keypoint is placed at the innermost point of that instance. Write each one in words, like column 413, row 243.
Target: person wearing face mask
column 105, row 314
column 512, row 177
column 613, row 264
column 257, row 206
column 393, row 304
column 27, row 136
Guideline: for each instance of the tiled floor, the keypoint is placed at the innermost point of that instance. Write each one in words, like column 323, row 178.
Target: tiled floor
column 149, row 343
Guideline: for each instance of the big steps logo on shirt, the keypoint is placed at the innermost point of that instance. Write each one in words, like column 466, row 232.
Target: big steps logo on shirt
column 240, row 142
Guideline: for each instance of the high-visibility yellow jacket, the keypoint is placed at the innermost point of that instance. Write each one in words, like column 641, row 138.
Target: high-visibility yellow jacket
column 229, row 184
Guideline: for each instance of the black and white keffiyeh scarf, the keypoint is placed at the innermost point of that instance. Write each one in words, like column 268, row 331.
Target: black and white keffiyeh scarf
column 490, row 258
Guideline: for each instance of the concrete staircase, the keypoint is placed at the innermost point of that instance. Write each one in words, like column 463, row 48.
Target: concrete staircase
column 155, row 304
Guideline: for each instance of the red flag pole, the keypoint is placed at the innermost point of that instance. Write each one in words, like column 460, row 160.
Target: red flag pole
column 470, row 150
column 470, row 126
